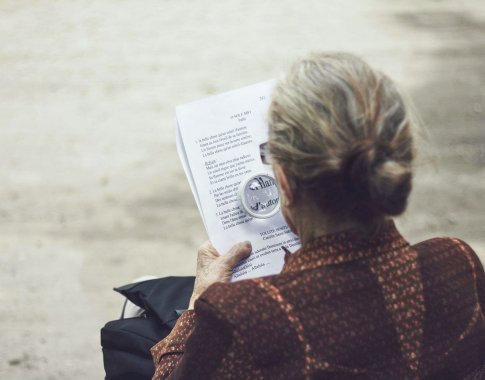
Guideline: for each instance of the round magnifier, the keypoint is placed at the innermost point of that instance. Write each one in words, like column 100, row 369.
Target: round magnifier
column 260, row 196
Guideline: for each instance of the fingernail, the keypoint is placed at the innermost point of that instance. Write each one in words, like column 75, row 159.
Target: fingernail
column 247, row 244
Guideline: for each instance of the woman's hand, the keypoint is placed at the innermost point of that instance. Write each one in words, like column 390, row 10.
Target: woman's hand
column 212, row 267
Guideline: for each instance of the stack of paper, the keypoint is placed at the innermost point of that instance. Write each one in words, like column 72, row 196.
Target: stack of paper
column 218, row 141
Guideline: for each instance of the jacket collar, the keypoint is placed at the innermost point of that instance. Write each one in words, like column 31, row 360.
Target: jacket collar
column 342, row 247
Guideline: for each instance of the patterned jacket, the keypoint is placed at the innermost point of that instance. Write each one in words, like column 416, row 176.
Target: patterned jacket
column 343, row 307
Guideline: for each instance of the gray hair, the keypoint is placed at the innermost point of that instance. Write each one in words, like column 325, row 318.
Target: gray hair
column 342, row 133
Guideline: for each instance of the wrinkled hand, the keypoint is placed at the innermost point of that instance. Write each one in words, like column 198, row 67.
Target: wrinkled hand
column 212, row 267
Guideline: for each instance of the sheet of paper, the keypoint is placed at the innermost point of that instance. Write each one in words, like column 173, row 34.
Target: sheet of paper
column 185, row 164
column 218, row 143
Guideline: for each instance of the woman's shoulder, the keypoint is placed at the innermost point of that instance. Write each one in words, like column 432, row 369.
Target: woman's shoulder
column 454, row 293
column 447, row 249
column 443, row 242
column 449, row 266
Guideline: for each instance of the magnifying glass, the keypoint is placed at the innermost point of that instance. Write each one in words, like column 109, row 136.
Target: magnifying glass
column 260, row 196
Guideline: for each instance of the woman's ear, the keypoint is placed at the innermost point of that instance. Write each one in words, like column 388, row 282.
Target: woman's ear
column 285, row 185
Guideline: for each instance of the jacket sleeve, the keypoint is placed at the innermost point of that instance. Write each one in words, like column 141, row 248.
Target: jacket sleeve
column 198, row 343
column 168, row 352
column 210, row 343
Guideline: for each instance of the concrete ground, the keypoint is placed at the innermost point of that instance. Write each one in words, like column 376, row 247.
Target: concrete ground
column 92, row 192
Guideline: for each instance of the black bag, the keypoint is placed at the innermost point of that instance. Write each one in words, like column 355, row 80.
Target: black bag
column 126, row 343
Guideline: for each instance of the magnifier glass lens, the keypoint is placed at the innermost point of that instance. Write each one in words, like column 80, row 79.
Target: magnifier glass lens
column 260, row 196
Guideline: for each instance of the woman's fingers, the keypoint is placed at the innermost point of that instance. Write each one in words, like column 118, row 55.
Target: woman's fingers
column 206, row 256
column 237, row 253
column 211, row 267
column 207, row 249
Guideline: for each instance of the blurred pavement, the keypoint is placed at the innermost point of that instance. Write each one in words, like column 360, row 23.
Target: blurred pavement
column 92, row 192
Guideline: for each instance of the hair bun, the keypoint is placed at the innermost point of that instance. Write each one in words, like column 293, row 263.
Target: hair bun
column 377, row 180
column 343, row 134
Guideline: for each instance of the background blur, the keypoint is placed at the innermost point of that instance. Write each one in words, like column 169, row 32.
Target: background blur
column 92, row 194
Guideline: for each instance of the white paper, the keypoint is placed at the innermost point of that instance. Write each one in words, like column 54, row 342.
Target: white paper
column 218, row 142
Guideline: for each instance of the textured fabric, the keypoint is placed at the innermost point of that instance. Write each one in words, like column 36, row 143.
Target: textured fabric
column 173, row 345
column 344, row 307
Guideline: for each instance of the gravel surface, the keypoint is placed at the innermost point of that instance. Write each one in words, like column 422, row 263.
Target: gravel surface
column 92, row 191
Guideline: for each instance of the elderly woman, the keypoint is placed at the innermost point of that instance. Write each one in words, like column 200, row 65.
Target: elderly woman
column 357, row 301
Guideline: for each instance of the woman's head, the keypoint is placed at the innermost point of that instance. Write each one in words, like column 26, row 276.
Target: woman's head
column 341, row 133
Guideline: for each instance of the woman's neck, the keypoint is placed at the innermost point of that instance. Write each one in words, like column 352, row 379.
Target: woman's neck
column 312, row 224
